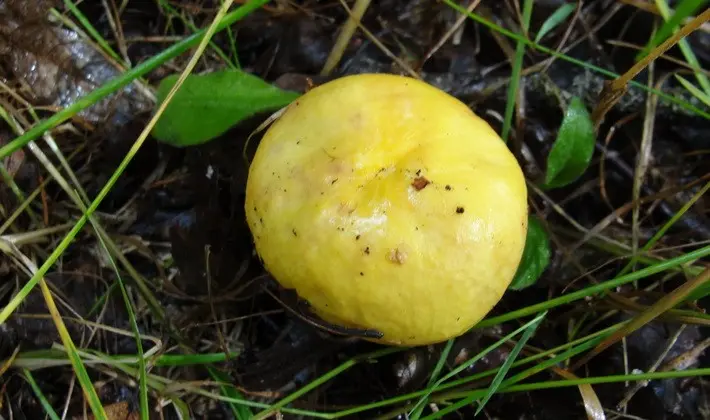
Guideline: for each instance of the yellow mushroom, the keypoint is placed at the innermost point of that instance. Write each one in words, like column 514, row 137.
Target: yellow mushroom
column 387, row 204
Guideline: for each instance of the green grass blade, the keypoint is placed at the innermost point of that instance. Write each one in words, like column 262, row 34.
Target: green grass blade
column 581, row 63
column 126, row 78
column 683, row 9
column 515, row 75
column 416, row 412
column 650, row 376
column 601, row 287
column 30, row 359
column 581, row 344
column 193, row 359
column 319, row 381
column 536, row 386
column 240, row 411
column 702, row 96
column 172, row 13
column 555, row 19
column 662, row 231
column 664, row 304
column 181, row 408
column 59, row 117
column 470, row 396
column 92, row 31
column 233, row 47
column 433, row 387
column 509, row 361
column 142, row 369
column 82, row 375
column 40, row 396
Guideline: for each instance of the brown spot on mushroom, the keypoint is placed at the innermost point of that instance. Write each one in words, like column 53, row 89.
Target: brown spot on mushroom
column 346, row 208
column 420, row 183
column 356, row 120
column 459, row 210
column 397, row 256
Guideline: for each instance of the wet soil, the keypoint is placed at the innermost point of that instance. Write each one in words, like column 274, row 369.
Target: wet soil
column 180, row 212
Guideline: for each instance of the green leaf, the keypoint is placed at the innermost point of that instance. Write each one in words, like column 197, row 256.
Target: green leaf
column 536, row 256
column 554, row 20
column 208, row 105
column 573, row 148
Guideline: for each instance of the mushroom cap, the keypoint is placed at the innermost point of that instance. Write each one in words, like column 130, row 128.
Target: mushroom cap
column 388, row 204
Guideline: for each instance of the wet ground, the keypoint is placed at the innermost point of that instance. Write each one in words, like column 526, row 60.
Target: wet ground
column 174, row 209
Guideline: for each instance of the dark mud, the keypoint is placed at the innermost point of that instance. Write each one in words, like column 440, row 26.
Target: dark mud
column 181, row 210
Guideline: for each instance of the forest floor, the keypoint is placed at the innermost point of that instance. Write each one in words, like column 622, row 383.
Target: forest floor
column 169, row 256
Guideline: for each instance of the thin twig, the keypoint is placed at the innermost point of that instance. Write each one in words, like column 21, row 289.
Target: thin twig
column 455, row 27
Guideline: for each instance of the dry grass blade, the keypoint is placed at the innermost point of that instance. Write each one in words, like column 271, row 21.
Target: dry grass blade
column 640, row 384
column 664, row 304
column 344, row 37
column 9, row 361
column 404, row 66
column 622, row 210
column 615, row 89
column 643, row 160
column 592, row 405
column 681, row 362
column 454, row 28
column 15, row 302
column 79, row 368
column 630, row 219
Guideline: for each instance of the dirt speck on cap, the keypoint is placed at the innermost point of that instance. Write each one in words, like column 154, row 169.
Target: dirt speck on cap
column 420, row 183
